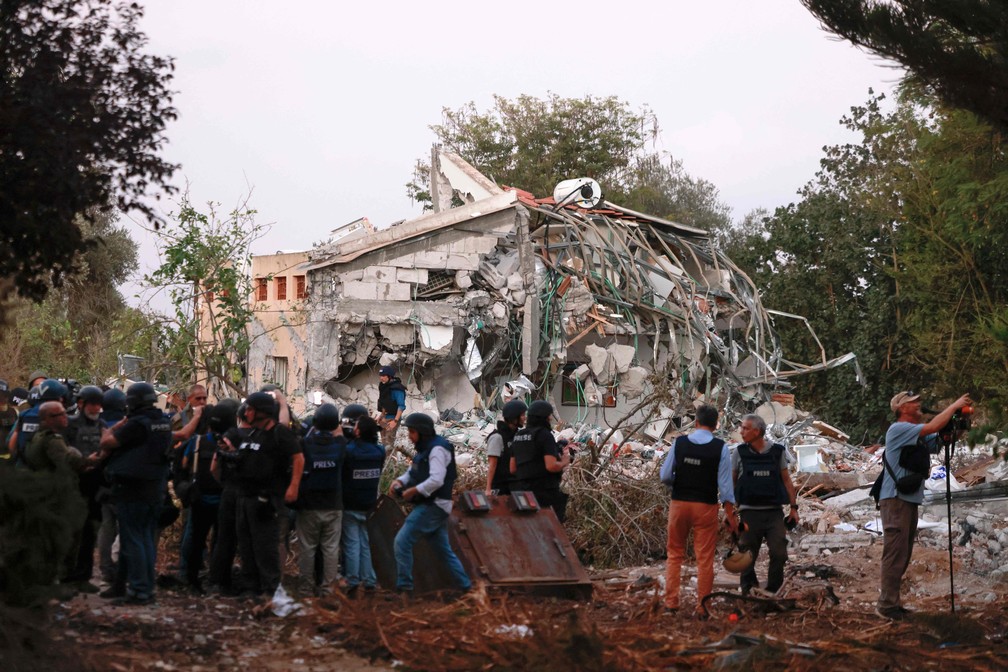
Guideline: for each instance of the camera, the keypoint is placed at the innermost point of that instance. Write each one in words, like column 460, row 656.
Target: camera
column 961, row 421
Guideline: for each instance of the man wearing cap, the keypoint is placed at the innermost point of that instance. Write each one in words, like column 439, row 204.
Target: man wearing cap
column 391, row 404
column 697, row 470
column 899, row 509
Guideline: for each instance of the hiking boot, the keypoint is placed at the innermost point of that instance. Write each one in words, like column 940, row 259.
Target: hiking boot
column 891, row 613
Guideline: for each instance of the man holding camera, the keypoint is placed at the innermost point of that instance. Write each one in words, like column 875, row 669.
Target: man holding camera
column 907, row 463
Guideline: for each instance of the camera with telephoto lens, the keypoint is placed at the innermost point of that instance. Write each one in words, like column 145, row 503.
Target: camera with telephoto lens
column 961, row 421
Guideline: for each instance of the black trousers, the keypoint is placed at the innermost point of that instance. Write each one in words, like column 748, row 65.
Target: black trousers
column 768, row 525
column 258, row 547
column 226, row 547
column 203, row 519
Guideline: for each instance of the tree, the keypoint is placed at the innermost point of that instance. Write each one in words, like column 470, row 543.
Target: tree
column 80, row 327
column 205, row 260
column 958, row 50
column 82, row 117
column 896, row 251
column 531, row 143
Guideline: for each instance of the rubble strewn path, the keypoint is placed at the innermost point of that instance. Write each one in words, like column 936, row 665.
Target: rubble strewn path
column 622, row 628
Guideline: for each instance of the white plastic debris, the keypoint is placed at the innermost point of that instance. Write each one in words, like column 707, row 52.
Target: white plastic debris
column 519, row 631
column 283, row 605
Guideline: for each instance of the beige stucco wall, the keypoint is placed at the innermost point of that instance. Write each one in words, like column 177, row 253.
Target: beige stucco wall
column 278, row 327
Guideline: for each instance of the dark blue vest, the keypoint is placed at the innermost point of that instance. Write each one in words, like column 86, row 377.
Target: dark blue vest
column 696, row 470
column 323, row 468
column 147, row 460
column 362, row 469
column 420, row 471
column 759, row 480
column 28, row 425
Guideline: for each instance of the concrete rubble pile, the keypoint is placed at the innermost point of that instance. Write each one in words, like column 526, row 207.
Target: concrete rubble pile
column 618, row 318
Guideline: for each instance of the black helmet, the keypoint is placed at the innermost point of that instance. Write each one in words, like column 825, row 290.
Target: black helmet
column 263, row 402
column 19, row 395
column 90, row 394
column 140, row 396
column 421, row 422
column 540, row 409
column 354, row 411
column 326, row 418
column 114, row 400
column 51, row 389
column 4, row 387
column 514, row 409
column 223, row 416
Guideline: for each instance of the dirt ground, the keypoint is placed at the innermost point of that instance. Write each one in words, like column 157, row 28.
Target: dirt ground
column 623, row 627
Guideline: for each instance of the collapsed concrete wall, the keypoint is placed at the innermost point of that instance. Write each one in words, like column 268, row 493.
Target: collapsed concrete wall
column 600, row 310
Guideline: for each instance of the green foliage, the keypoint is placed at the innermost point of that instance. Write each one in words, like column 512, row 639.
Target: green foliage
column 895, row 251
column 956, row 49
column 82, row 116
column 80, row 327
column 205, row 260
column 531, row 144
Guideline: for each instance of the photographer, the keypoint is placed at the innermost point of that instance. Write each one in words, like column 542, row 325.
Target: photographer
column 908, row 447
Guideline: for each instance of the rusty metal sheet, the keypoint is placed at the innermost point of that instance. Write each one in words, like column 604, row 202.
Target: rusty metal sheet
column 527, row 552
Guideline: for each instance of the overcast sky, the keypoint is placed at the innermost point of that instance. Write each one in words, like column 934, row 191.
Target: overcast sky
column 322, row 108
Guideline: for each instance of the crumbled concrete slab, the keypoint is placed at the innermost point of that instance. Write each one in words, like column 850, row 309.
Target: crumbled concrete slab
column 463, row 279
column 623, row 356
column 631, row 383
column 453, row 389
column 777, row 414
column 601, row 363
column 399, row 334
column 848, row 499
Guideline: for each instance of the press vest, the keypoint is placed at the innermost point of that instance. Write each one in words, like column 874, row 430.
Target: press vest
column 528, row 450
column 323, row 470
column 759, row 480
column 148, row 459
column 696, row 468
column 362, row 469
column 28, row 424
column 262, row 463
column 420, row 471
column 85, row 434
column 385, row 401
column 502, row 474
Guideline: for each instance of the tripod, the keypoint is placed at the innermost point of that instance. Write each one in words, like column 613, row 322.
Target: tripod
column 948, row 439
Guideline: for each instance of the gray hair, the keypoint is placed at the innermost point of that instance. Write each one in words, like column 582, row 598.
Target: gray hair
column 757, row 422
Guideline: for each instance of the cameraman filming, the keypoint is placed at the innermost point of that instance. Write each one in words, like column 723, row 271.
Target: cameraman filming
column 909, row 445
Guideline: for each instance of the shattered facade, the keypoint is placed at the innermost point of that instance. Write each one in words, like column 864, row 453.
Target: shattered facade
column 510, row 295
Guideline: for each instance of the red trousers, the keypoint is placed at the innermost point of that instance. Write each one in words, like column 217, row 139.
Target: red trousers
column 703, row 520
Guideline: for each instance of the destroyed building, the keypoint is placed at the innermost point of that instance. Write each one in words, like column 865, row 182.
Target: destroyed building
column 588, row 304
